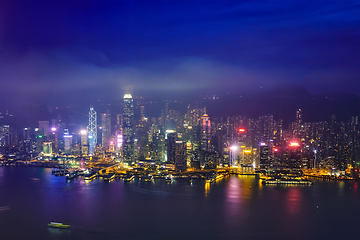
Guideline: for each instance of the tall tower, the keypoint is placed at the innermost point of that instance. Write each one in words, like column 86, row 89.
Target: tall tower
column 171, row 142
column 106, row 129
column 44, row 127
column 92, row 130
column 128, row 128
column 298, row 123
column 264, row 156
column 180, row 155
column 205, row 132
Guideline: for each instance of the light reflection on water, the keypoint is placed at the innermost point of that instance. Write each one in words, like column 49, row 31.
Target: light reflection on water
column 293, row 200
column 237, row 207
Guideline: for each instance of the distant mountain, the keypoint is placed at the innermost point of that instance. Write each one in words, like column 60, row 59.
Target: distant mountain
column 283, row 103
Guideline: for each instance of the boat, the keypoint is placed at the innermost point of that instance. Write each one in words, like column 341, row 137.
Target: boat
column 209, row 180
column 90, row 176
column 286, row 181
column 71, row 175
column 109, row 177
column 169, row 178
column 128, row 178
column 58, row 225
column 219, row 176
column 149, row 178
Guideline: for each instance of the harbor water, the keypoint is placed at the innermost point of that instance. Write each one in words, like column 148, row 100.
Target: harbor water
column 235, row 207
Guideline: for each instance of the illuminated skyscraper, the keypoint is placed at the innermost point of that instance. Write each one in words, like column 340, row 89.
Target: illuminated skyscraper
column 5, row 135
column 84, row 143
column 171, row 142
column 180, row 155
column 106, row 129
column 67, row 143
column 294, row 156
column 44, row 127
column 264, row 156
column 92, row 130
column 205, row 128
column 298, row 122
column 128, row 128
column 47, row 148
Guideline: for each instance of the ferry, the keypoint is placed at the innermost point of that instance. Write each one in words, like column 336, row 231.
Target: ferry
column 90, row 176
column 286, row 182
column 109, row 177
column 58, row 225
column 71, row 175
column 128, row 178
column 149, row 178
column 218, row 177
column 209, row 179
column 169, row 178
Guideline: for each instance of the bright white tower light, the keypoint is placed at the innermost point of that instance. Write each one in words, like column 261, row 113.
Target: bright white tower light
column 92, row 130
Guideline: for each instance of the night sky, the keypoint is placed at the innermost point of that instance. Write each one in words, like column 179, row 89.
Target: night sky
column 61, row 51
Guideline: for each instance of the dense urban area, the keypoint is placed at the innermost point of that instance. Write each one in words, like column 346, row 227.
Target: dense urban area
column 186, row 145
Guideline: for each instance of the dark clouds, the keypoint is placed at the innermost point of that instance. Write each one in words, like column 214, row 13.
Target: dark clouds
column 82, row 48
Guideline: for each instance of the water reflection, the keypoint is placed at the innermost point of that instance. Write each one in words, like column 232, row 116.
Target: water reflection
column 233, row 190
column 232, row 200
column 207, row 189
column 293, row 200
column 54, row 232
column 230, row 210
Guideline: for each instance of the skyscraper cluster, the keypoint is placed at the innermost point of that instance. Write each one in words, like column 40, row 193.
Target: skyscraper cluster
column 192, row 139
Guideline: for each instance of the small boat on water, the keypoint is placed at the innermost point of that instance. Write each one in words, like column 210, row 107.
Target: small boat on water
column 90, row 176
column 58, row 225
column 149, row 178
column 109, row 177
column 128, row 178
column 71, row 175
column 169, row 178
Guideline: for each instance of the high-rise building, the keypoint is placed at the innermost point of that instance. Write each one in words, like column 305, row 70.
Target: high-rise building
column 128, row 128
column 92, row 131
column 44, row 127
column 294, row 156
column 171, row 142
column 205, row 128
column 84, row 143
column 298, row 124
column 264, row 156
column 67, row 143
column 47, row 148
column 4, row 139
column 106, row 129
column 180, row 155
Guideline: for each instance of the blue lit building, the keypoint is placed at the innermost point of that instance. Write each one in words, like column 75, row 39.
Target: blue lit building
column 128, row 128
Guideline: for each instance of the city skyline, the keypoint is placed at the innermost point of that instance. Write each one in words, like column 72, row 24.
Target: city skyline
column 63, row 51
column 190, row 139
column 161, row 119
